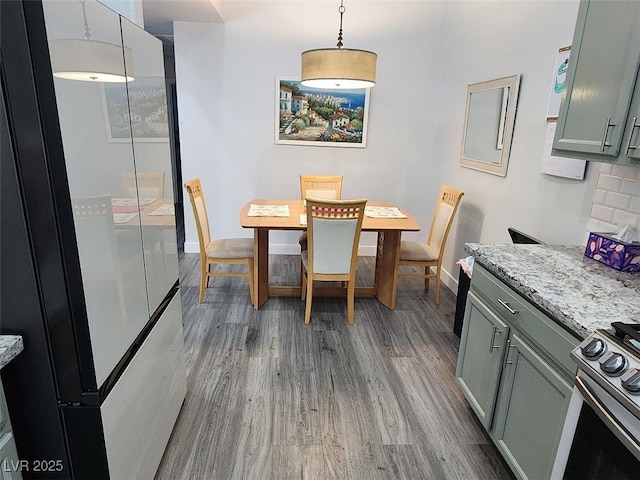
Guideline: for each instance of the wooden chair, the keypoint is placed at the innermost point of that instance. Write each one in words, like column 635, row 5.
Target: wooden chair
column 238, row 251
column 321, row 187
column 97, row 246
column 147, row 185
column 427, row 255
column 143, row 185
column 324, row 187
column 334, row 232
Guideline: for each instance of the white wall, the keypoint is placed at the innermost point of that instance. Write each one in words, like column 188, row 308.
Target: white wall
column 428, row 51
column 489, row 40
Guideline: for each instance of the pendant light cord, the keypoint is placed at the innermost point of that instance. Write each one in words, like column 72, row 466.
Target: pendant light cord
column 341, row 9
column 87, row 33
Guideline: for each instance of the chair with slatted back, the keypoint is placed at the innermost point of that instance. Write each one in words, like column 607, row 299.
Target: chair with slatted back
column 97, row 246
column 238, row 251
column 144, row 184
column 334, row 233
column 148, row 186
column 324, row 187
column 429, row 255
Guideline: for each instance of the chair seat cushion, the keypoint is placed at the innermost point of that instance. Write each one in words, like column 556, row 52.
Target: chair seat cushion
column 417, row 252
column 230, row 248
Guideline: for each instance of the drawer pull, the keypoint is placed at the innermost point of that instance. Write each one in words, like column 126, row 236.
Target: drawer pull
column 509, row 309
column 495, row 332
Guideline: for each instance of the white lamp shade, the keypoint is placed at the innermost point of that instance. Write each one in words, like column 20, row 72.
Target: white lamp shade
column 90, row 60
column 338, row 68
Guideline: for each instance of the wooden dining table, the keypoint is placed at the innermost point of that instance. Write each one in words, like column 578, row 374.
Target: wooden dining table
column 389, row 231
column 147, row 215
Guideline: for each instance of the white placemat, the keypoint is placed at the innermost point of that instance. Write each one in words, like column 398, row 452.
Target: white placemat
column 268, row 211
column 147, row 201
column 130, row 202
column 164, row 209
column 383, row 212
column 123, row 217
column 124, row 202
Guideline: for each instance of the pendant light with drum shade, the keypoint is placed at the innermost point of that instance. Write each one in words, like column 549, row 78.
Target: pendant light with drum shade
column 338, row 68
column 90, row 60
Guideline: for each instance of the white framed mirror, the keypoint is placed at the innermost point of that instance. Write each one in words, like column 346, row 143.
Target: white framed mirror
column 488, row 125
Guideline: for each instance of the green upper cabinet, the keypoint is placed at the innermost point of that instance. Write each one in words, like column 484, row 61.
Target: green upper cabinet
column 596, row 119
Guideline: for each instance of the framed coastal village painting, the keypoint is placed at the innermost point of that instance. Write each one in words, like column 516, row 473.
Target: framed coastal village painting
column 322, row 118
column 145, row 105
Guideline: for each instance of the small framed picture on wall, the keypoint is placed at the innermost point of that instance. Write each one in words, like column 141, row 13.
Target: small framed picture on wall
column 558, row 84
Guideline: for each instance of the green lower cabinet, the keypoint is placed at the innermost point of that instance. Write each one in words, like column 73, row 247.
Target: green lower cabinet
column 483, row 342
column 515, row 371
column 531, row 407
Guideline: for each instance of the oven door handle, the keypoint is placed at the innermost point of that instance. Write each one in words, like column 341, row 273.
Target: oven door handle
column 618, row 430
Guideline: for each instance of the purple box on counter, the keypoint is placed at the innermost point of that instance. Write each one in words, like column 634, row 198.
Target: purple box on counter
column 613, row 252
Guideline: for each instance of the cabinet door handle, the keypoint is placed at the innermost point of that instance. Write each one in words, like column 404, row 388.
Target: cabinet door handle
column 495, row 332
column 509, row 361
column 633, row 130
column 509, row 309
column 604, row 143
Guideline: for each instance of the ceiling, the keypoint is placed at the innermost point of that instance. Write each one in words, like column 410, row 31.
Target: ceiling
column 159, row 15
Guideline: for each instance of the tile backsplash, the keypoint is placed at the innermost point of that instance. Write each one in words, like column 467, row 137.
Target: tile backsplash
column 616, row 201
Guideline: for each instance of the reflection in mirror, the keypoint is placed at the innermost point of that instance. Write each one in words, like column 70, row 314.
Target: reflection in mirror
column 149, row 130
column 118, row 163
column 490, row 115
column 107, row 233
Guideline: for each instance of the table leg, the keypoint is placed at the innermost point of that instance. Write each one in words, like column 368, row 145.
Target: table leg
column 387, row 259
column 261, row 273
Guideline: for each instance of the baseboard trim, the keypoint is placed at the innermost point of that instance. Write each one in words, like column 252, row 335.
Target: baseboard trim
column 450, row 281
column 284, row 249
column 191, row 247
column 289, row 249
column 364, row 250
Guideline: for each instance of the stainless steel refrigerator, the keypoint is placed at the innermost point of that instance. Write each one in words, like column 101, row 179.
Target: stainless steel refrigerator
column 89, row 272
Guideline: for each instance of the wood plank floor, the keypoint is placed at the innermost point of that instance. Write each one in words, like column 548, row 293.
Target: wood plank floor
column 271, row 398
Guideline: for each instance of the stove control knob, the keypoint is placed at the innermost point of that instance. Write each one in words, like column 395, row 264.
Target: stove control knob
column 594, row 349
column 613, row 364
column 631, row 381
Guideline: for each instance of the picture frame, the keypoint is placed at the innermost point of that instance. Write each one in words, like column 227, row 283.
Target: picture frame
column 489, row 123
column 558, row 83
column 147, row 99
column 320, row 117
column 503, row 108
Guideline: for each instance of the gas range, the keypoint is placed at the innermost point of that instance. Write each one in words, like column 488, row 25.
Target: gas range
column 612, row 359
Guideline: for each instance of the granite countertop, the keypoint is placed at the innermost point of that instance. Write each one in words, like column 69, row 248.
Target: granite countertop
column 10, row 346
column 578, row 292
